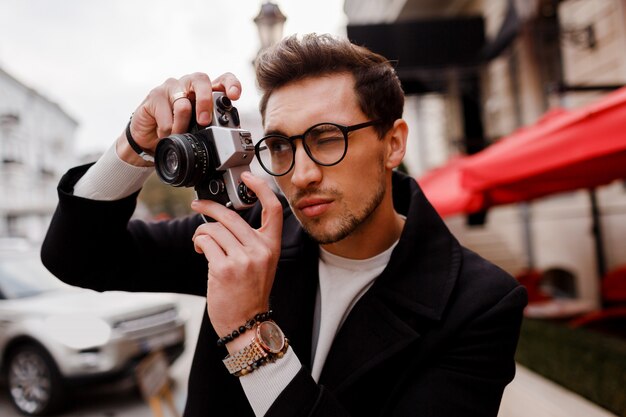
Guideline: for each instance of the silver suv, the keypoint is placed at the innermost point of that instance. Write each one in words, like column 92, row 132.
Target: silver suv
column 55, row 338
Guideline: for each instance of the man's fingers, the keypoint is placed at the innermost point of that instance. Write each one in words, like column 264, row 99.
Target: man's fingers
column 170, row 104
column 229, row 84
column 227, row 217
column 163, row 117
column 212, row 251
column 200, row 86
column 220, row 235
column 272, row 214
column 168, row 107
column 182, row 115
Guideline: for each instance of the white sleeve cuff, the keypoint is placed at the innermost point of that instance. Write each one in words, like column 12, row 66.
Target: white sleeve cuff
column 110, row 178
column 265, row 384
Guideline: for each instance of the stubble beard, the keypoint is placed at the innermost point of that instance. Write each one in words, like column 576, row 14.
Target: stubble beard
column 348, row 222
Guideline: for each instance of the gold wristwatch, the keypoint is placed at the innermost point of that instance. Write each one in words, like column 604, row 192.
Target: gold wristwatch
column 268, row 344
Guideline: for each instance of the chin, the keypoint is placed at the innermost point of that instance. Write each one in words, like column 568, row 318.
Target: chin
column 324, row 233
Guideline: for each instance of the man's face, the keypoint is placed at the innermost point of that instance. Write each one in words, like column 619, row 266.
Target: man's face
column 330, row 202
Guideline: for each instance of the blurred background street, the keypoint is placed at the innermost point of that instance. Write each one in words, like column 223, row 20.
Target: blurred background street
column 123, row 399
column 528, row 395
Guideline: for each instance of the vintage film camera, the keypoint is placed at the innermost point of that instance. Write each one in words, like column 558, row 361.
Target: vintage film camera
column 210, row 158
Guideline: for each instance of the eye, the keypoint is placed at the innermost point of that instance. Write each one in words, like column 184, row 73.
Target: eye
column 328, row 140
column 325, row 135
column 278, row 145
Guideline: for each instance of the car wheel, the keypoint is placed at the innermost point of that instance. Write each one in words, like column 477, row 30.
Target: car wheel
column 34, row 383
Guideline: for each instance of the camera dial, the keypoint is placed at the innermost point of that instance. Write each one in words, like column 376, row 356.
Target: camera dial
column 245, row 194
column 223, row 104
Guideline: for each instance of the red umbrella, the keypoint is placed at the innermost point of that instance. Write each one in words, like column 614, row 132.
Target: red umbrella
column 442, row 187
column 564, row 151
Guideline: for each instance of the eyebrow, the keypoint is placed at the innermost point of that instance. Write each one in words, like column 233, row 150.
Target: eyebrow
column 275, row 132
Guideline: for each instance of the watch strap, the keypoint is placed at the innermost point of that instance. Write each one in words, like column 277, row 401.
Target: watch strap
column 245, row 358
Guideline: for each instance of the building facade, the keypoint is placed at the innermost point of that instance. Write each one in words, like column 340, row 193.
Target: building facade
column 536, row 55
column 36, row 147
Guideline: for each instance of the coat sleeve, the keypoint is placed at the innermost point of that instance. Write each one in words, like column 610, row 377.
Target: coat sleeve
column 469, row 376
column 303, row 397
column 94, row 244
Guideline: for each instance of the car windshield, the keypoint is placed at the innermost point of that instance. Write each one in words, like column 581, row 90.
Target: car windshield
column 25, row 277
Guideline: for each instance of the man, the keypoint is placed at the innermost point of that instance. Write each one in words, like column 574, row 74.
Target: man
column 386, row 314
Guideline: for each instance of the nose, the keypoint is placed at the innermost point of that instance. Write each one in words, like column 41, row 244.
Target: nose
column 305, row 171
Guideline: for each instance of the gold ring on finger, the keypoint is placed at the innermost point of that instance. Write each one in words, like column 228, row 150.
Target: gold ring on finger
column 178, row 96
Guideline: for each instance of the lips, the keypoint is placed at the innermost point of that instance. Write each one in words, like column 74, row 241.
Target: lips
column 312, row 207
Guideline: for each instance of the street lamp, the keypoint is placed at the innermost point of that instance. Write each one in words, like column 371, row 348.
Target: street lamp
column 270, row 21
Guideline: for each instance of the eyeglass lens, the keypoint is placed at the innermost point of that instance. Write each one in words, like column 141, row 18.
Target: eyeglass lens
column 325, row 144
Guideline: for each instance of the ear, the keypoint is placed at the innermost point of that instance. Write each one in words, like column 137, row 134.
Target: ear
column 396, row 143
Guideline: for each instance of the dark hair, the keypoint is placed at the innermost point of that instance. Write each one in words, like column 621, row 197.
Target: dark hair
column 377, row 87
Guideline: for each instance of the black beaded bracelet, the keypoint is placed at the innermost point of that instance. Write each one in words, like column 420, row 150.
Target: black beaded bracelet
column 260, row 317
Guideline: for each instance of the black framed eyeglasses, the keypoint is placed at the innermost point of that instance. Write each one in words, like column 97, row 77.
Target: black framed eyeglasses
column 325, row 143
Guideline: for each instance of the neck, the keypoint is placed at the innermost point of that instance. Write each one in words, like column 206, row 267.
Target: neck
column 376, row 234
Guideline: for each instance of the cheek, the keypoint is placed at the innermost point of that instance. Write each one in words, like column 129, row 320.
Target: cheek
column 352, row 178
column 365, row 161
column 284, row 183
column 360, row 165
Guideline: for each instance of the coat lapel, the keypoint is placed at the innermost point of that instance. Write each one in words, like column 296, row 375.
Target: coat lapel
column 293, row 293
column 372, row 334
column 410, row 294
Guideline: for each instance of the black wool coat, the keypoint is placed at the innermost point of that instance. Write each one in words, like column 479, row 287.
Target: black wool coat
column 434, row 336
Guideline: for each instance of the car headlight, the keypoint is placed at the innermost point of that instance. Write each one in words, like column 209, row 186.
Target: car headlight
column 78, row 332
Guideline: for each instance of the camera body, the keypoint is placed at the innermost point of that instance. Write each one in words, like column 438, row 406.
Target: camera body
column 211, row 159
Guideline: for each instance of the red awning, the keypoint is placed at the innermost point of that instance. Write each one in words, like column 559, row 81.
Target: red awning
column 564, row 151
column 442, row 187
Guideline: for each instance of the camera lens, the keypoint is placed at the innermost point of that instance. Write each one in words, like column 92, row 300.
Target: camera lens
column 181, row 160
column 171, row 161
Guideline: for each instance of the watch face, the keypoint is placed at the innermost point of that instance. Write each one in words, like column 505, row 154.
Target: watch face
column 270, row 336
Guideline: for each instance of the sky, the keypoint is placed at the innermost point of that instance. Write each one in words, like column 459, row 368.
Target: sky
column 99, row 59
